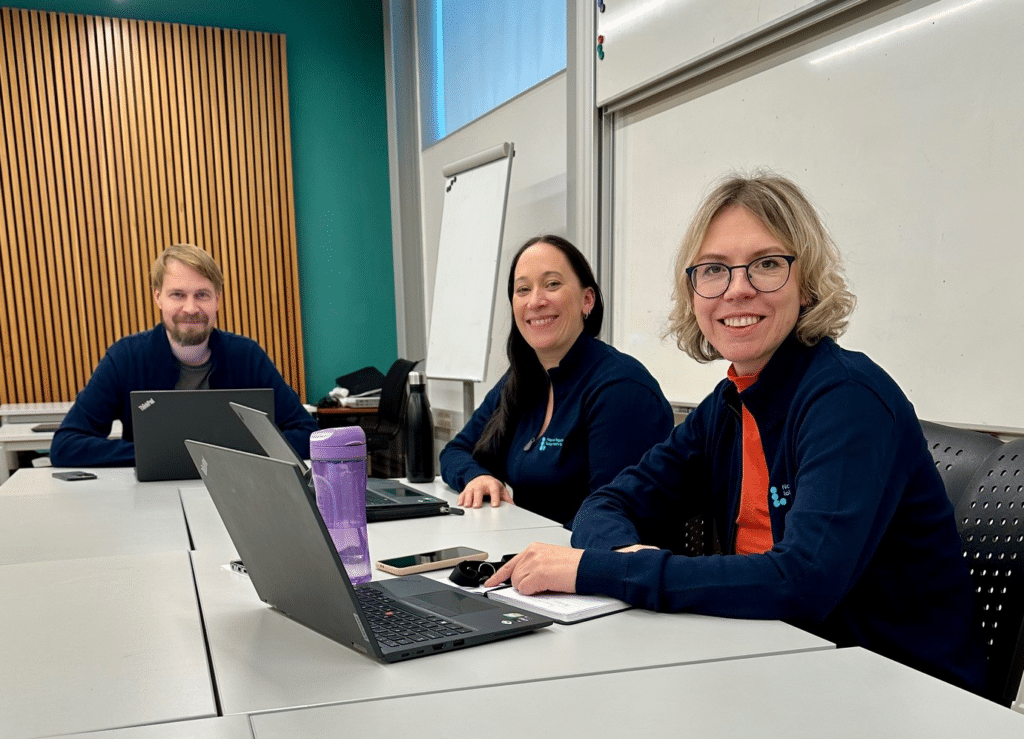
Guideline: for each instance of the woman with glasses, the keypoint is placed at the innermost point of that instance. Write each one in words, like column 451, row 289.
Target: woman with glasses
column 808, row 460
column 571, row 412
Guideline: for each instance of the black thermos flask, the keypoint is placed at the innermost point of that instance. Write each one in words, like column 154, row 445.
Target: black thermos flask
column 419, row 432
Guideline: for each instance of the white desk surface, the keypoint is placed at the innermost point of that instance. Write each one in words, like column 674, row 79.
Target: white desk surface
column 225, row 727
column 34, row 412
column 840, row 693
column 74, row 524
column 486, row 518
column 208, row 532
column 386, row 538
column 19, row 437
column 101, row 643
column 30, row 480
column 262, row 660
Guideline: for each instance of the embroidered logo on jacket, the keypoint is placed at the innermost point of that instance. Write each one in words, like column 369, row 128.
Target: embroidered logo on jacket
column 545, row 442
column 780, row 498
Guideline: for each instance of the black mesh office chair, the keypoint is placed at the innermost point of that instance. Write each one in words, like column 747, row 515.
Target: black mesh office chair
column 958, row 453
column 990, row 518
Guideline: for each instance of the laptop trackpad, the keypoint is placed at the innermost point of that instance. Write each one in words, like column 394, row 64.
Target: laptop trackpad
column 453, row 603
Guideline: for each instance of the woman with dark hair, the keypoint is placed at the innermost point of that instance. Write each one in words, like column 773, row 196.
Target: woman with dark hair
column 571, row 412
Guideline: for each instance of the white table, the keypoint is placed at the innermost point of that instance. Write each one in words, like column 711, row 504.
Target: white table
column 486, row 518
column 78, row 524
column 838, row 693
column 34, row 412
column 19, row 437
column 40, row 480
column 100, row 643
column 263, row 660
column 225, row 727
column 208, row 530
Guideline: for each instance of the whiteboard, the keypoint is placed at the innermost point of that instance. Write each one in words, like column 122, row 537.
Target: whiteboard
column 644, row 39
column 909, row 137
column 472, row 222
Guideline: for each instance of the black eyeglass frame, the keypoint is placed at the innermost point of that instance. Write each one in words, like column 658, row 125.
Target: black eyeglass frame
column 789, row 259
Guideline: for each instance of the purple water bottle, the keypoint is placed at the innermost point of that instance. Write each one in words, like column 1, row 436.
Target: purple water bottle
column 339, row 478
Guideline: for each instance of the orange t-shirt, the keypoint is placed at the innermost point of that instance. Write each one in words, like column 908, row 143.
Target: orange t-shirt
column 753, row 524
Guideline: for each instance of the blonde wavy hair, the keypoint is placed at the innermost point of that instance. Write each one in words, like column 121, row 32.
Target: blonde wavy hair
column 787, row 214
column 190, row 256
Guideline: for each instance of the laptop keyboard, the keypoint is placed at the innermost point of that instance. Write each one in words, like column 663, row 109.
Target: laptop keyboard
column 393, row 625
column 375, row 498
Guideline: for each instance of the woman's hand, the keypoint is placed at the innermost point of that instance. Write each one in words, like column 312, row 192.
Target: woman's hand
column 540, row 568
column 635, row 548
column 472, row 496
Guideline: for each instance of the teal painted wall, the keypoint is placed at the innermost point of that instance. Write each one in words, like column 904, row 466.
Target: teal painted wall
column 340, row 160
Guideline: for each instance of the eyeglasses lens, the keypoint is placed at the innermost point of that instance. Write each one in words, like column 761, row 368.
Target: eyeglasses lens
column 766, row 274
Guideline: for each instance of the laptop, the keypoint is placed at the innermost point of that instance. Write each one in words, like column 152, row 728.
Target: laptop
column 386, row 500
column 163, row 419
column 272, row 518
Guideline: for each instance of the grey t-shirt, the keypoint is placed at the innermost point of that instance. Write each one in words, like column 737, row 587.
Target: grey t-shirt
column 194, row 378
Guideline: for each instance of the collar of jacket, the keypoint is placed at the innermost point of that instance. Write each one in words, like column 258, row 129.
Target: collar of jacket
column 768, row 399
column 577, row 356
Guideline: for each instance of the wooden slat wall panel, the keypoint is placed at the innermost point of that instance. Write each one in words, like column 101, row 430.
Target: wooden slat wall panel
column 117, row 139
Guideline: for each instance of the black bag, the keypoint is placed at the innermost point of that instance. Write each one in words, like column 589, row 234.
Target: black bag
column 361, row 381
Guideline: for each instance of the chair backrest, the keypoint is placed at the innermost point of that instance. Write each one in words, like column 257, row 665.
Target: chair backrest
column 958, row 453
column 391, row 409
column 990, row 518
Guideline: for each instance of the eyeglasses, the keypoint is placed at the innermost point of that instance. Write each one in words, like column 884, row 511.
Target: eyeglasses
column 765, row 274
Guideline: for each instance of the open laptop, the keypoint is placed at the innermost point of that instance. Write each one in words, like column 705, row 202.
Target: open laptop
column 273, row 520
column 386, row 500
column 163, row 419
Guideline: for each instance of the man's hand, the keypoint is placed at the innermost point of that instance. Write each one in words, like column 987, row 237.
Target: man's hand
column 540, row 568
column 472, row 496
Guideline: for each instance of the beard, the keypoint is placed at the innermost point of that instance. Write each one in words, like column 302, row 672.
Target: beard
column 186, row 329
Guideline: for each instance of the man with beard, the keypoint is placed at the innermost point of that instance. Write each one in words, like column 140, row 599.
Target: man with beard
column 183, row 352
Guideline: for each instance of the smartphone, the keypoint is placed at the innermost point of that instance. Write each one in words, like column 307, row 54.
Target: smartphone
column 74, row 475
column 436, row 560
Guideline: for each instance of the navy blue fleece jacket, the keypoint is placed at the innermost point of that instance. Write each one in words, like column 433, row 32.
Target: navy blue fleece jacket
column 866, row 548
column 608, row 411
column 144, row 361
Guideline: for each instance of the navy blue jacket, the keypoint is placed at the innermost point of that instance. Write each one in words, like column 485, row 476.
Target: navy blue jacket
column 608, row 411
column 144, row 361
column 866, row 548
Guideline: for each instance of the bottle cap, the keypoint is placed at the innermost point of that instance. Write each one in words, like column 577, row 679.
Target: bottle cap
column 343, row 442
column 416, row 378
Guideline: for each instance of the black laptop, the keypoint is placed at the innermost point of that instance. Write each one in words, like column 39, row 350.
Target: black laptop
column 386, row 500
column 163, row 419
column 274, row 523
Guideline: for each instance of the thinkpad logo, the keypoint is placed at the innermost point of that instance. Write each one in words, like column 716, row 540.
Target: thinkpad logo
column 203, row 466
column 146, row 405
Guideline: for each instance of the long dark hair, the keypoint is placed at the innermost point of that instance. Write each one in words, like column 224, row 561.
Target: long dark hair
column 527, row 381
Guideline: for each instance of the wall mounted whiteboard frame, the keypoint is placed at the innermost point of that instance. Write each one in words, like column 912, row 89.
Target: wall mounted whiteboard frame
column 469, row 248
column 646, row 41
column 910, row 150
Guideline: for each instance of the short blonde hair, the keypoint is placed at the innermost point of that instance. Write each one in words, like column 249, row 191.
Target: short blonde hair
column 787, row 214
column 191, row 256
